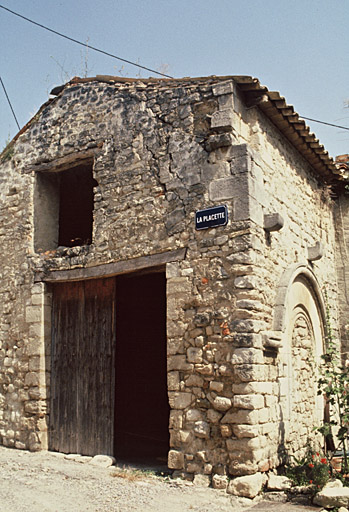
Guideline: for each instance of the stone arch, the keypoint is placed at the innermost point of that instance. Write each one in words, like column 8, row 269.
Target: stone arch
column 300, row 319
column 288, row 277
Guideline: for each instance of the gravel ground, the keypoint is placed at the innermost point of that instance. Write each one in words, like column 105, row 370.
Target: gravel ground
column 48, row 482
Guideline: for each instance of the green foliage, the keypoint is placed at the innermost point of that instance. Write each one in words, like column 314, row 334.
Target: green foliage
column 313, row 470
column 344, row 478
column 333, row 384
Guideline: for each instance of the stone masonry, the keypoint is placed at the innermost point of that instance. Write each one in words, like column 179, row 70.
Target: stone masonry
column 245, row 307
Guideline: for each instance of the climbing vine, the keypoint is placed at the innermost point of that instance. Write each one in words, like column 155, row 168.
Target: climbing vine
column 333, row 384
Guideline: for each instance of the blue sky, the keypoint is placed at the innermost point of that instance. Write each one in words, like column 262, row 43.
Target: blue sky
column 297, row 47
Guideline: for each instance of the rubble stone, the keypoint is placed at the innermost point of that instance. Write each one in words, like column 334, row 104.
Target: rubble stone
column 247, row 486
column 331, row 497
column 104, row 461
column 278, row 483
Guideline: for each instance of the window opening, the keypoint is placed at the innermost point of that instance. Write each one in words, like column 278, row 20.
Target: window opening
column 76, row 206
column 63, row 207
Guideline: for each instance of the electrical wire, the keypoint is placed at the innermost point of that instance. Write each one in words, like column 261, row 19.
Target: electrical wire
column 122, row 60
column 84, row 44
column 323, row 122
column 9, row 102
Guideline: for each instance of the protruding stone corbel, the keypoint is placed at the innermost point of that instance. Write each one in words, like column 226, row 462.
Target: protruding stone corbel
column 271, row 339
column 251, row 100
column 273, row 222
column 316, row 252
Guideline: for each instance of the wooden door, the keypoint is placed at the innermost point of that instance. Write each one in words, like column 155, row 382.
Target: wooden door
column 82, row 367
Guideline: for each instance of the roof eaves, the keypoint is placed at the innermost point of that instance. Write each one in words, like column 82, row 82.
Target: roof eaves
column 274, row 106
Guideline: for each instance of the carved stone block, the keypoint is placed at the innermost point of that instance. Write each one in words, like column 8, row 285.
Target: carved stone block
column 273, row 222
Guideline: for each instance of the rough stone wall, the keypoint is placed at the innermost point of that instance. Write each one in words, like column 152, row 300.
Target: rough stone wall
column 307, row 212
column 289, row 187
column 21, row 366
column 161, row 151
column 342, row 237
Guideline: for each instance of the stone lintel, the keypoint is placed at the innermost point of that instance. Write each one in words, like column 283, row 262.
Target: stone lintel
column 65, row 162
column 111, row 269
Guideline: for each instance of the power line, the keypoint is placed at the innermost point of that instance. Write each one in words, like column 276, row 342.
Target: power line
column 84, row 44
column 323, row 122
column 122, row 60
column 8, row 99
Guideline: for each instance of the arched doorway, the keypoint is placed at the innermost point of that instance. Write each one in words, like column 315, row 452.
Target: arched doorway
column 302, row 324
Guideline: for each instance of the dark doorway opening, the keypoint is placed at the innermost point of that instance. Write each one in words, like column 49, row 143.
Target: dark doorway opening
column 141, row 431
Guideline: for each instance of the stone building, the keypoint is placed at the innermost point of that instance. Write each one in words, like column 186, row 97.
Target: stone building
column 165, row 249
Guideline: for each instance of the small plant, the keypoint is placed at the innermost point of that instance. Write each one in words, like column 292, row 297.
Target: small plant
column 8, row 151
column 315, row 469
column 312, row 470
column 132, row 474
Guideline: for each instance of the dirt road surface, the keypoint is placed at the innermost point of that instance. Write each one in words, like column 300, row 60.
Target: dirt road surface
column 47, row 482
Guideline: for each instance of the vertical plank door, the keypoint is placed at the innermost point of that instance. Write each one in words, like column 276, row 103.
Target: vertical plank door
column 82, row 367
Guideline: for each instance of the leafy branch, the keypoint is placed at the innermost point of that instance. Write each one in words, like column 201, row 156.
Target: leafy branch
column 333, row 384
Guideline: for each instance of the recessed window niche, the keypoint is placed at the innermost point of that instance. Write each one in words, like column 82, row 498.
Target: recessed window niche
column 63, row 207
